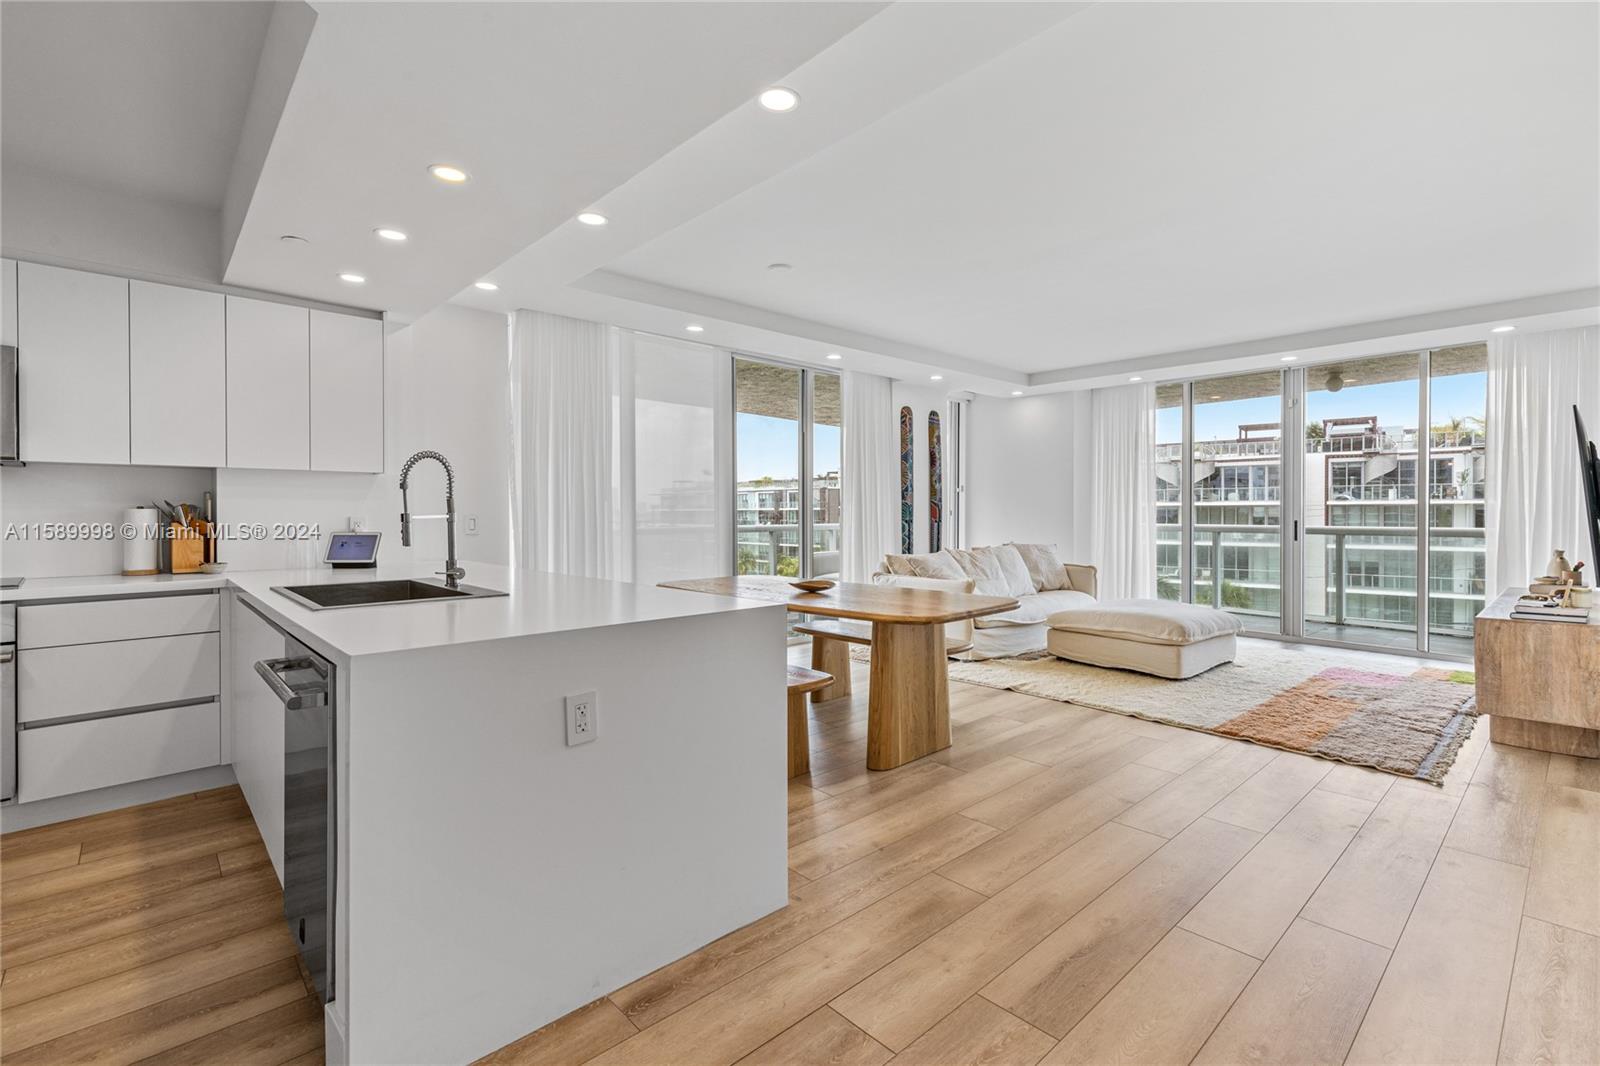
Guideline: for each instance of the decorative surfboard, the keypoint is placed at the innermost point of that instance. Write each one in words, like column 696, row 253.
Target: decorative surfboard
column 935, row 480
column 907, row 489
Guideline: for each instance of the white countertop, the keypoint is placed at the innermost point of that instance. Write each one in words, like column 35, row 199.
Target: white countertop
column 536, row 604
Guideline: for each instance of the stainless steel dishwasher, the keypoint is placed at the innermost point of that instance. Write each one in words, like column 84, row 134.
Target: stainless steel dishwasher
column 304, row 683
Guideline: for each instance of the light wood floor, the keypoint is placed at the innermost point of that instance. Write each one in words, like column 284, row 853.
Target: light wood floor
column 150, row 934
column 1069, row 886
column 1061, row 885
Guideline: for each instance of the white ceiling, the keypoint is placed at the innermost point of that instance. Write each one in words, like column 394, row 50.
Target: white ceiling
column 547, row 106
column 1144, row 178
column 146, row 98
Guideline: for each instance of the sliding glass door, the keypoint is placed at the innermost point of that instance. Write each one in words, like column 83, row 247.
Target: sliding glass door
column 1340, row 503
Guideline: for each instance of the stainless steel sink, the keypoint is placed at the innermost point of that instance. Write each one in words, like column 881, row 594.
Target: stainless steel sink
column 377, row 593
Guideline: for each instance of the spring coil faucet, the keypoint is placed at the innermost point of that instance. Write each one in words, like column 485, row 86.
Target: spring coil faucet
column 452, row 572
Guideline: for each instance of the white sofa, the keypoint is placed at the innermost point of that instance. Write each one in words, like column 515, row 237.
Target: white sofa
column 1029, row 573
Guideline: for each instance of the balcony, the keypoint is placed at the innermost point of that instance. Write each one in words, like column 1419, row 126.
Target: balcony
column 1360, row 584
column 775, row 549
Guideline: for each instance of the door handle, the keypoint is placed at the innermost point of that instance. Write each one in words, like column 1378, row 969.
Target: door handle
column 294, row 697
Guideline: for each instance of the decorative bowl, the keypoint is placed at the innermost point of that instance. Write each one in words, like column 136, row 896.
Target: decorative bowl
column 213, row 568
column 814, row 585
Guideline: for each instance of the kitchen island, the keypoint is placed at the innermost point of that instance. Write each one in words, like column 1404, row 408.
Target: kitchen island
column 489, row 878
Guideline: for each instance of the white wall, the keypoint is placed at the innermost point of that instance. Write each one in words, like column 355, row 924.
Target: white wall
column 445, row 390
column 69, row 492
column 1028, row 475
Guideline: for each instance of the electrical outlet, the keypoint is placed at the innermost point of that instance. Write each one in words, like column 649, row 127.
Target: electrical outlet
column 582, row 718
column 472, row 525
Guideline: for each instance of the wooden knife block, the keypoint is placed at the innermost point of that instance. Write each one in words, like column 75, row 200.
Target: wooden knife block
column 188, row 547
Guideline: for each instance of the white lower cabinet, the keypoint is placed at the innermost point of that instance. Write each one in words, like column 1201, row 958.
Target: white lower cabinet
column 56, row 760
column 79, row 679
column 257, row 729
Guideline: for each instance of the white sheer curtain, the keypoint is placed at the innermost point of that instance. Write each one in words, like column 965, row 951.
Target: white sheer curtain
column 563, row 375
column 1122, row 525
column 1534, row 499
column 871, row 474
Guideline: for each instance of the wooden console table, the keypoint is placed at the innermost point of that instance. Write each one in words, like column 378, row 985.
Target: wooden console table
column 1539, row 680
column 908, row 711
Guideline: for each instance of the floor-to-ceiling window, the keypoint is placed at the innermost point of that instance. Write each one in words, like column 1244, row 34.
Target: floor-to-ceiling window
column 787, row 507
column 1359, row 521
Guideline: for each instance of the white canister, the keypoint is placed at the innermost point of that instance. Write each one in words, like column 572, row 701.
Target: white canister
column 141, row 552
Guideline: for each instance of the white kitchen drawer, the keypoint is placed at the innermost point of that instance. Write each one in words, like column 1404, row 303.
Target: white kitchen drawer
column 46, row 625
column 89, row 678
column 78, row 756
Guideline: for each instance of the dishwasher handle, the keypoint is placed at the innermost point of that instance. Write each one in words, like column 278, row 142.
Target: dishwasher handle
column 6, row 655
column 300, row 695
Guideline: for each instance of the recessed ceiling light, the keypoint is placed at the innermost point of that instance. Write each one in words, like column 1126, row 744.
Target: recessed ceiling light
column 1016, row 392
column 293, row 238
column 694, row 328
column 593, row 218
column 780, row 99
column 1288, row 359
column 937, row 377
column 780, row 266
column 1136, row 377
column 391, row 234
column 451, row 175
column 486, row 286
column 1502, row 329
column 353, row 279
column 835, row 356
column 1216, row 397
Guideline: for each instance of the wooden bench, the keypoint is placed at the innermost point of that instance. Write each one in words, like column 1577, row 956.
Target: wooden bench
column 830, row 651
column 801, row 681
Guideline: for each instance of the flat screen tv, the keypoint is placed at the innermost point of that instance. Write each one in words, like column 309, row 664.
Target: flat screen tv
column 1589, row 474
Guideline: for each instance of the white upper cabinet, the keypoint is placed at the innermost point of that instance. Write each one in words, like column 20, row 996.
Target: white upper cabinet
column 269, row 385
column 8, row 314
column 346, row 393
column 72, row 345
column 178, row 365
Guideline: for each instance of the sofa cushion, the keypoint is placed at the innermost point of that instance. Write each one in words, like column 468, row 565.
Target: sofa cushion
column 1036, row 609
column 981, row 565
column 1148, row 621
column 941, row 565
column 1044, row 567
column 1018, row 580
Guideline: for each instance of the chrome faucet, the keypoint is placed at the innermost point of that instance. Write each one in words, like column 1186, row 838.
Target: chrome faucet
column 452, row 572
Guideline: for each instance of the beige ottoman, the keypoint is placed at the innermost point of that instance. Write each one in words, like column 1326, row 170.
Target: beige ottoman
column 1160, row 637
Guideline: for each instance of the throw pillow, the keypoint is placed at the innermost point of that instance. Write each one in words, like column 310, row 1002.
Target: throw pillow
column 1019, row 580
column 984, row 569
column 940, row 564
column 1043, row 567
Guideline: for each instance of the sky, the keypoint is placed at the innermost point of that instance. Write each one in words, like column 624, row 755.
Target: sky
column 1394, row 403
column 770, row 447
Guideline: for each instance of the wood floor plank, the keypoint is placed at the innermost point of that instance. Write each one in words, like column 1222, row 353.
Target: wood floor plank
column 1304, row 1003
column 820, row 1037
column 1571, row 770
column 802, row 795
column 1357, row 781
column 1163, row 1010
column 1100, row 726
column 818, row 905
column 148, row 822
column 1564, row 880
column 1017, row 740
column 1553, row 1014
column 113, row 864
column 1444, row 994
column 1056, row 983
column 243, row 858
column 1499, row 813
column 742, row 1015
column 1255, row 903
column 978, row 1033
column 31, row 863
column 1370, row 890
column 906, row 998
column 1092, row 761
column 572, row 1038
column 264, row 1040
column 69, row 969
column 1182, row 750
column 1170, row 808
column 844, row 845
column 831, row 812
column 27, row 1024
column 1271, row 793
column 1035, row 840
column 171, row 1022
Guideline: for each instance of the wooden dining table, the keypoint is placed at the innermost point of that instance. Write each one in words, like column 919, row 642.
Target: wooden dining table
column 908, row 705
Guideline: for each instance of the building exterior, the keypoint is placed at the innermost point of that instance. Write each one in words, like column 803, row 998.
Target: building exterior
column 767, row 514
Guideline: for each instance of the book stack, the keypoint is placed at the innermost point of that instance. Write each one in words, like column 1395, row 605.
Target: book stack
column 1548, row 611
